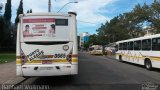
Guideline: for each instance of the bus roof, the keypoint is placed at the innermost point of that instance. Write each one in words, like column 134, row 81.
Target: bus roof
column 140, row 38
column 45, row 14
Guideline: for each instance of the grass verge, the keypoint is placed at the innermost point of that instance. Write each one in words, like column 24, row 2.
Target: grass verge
column 7, row 57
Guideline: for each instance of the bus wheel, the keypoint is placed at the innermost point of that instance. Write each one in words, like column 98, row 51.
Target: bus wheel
column 148, row 64
column 120, row 58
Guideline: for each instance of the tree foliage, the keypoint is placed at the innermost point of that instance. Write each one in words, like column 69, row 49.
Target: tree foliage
column 6, row 29
column 19, row 11
column 155, row 17
column 131, row 24
column 1, row 29
column 7, row 13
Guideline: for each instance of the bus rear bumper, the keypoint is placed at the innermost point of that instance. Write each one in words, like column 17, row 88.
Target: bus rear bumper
column 47, row 70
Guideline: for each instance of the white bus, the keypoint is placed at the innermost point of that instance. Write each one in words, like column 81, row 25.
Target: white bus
column 143, row 50
column 47, row 44
column 95, row 50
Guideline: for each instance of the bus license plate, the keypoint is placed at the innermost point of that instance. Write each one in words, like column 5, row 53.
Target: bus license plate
column 47, row 62
column 46, row 68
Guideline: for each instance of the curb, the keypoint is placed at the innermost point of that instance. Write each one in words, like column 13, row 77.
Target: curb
column 14, row 81
column 10, row 84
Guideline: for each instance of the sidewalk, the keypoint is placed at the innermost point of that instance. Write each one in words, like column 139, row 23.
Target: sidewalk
column 8, row 73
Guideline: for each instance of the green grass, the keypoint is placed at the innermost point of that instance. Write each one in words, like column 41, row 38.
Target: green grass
column 7, row 57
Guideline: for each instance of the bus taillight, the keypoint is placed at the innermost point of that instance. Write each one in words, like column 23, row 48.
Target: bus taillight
column 69, row 58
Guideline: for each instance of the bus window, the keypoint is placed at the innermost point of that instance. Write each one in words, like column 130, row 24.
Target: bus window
column 146, row 44
column 91, row 49
column 156, row 44
column 130, row 45
column 120, row 46
column 137, row 45
column 125, row 46
column 116, row 48
column 61, row 22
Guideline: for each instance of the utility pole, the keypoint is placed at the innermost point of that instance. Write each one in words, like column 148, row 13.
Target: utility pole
column 49, row 6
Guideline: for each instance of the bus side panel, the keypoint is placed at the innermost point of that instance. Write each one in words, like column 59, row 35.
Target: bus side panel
column 117, row 55
column 74, row 39
column 74, row 68
column 18, row 60
column 156, row 64
column 155, row 59
column 19, row 70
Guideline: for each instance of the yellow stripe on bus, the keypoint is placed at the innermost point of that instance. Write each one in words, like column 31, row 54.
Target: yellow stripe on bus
column 151, row 58
column 74, row 60
column 18, row 61
column 51, row 56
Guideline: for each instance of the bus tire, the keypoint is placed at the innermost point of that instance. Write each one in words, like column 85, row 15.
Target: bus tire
column 148, row 64
column 120, row 58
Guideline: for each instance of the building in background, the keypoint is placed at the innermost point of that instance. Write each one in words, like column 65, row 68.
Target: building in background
column 148, row 30
column 84, row 37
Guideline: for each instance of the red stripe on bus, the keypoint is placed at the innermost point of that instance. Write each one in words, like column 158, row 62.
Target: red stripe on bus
column 38, row 20
column 74, row 55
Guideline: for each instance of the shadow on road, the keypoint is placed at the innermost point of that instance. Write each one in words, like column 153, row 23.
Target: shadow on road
column 55, row 80
column 137, row 65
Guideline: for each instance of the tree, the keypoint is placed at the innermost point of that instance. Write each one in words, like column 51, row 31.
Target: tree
column 19, row 11
column 92, row 40
column 101, row 38
column 2, row 23
column 131, row 24
column 125, row 26
column 7, row 13
column 6, row 37
column 155, row 17
column 1, row 6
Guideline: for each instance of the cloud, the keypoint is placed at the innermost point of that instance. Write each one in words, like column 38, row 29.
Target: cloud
column 87, row 10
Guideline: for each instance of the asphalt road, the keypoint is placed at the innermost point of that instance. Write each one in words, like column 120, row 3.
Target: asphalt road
column 102, row 73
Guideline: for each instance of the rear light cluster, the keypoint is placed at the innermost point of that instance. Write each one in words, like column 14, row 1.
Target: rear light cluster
column 23, row 58
column 69, row 58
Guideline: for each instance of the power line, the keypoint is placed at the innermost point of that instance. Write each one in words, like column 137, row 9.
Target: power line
column 86, row 22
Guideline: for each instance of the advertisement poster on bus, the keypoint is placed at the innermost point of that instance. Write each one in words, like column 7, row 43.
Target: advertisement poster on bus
column 40, row 29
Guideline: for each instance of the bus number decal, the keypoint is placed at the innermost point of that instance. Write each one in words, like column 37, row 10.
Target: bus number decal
column 62, row 55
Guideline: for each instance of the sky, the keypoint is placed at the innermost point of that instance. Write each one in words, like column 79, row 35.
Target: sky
column 90, row 13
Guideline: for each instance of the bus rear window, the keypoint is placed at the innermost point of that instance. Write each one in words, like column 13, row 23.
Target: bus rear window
column 61, row 22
